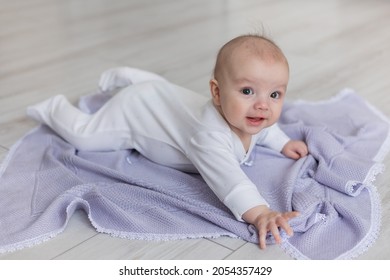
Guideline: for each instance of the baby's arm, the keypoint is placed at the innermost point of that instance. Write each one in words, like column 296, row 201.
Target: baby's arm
column 124, row 76
column 262, row 217
column 267, row 220
column 273, row 137
column 221, row 171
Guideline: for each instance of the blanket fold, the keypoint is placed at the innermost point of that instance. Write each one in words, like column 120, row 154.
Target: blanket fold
column 128, row 196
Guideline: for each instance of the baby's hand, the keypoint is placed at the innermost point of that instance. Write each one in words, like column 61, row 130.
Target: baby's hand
column 266, row 220
column 295, row 149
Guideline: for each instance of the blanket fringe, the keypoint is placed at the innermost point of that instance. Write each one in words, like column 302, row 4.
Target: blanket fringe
column 29, row 243
column 373, row 233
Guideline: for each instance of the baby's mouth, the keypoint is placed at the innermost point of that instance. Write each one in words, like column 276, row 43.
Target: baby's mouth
column 255, row 120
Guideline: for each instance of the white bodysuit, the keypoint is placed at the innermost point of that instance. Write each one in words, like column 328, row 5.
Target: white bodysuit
column 170, row 125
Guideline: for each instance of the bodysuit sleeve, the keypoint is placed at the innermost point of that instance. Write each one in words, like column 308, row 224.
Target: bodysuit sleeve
column 213, row 156
column 273, row 137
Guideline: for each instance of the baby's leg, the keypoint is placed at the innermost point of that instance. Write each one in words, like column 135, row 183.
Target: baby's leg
column 124, row 76
column 103, row 131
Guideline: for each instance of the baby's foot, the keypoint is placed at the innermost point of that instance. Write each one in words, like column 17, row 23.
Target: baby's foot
column 42, row 110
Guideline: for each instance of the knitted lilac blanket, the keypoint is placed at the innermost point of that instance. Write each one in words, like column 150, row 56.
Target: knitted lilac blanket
column 44, row 180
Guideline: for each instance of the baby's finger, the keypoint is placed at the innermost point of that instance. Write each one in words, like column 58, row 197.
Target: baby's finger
column 297, row 154
column 262, row 237
column 293, row 154
column 303, row 151
column 290, row 215
column 275, row 232
column 285, row 226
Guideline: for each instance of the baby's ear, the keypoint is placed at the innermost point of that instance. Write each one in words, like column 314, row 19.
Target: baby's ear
column 215, row 93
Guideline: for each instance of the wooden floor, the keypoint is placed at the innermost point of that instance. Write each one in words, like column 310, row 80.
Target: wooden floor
column 50, row 47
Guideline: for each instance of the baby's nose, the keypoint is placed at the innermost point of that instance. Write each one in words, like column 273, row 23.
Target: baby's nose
column 261, row 105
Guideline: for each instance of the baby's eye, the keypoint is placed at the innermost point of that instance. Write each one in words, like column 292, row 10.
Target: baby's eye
column 275, row 95
column 247, row 91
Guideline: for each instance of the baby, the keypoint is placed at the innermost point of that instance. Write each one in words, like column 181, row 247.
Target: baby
column 176, row 127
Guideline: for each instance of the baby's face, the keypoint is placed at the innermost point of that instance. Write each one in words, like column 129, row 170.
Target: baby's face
column 250, row 93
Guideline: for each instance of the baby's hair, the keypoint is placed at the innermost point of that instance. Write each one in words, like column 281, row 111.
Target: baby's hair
column 266, row 48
